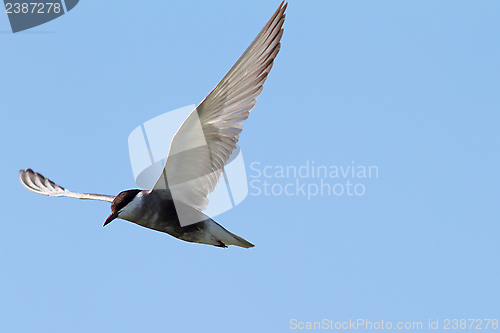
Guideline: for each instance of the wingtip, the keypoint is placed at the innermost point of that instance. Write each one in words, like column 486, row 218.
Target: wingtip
column 25, row 179
column 280, row 11
column 28, row 172
column 37, row 183
column 282, row 8
column 22, row 172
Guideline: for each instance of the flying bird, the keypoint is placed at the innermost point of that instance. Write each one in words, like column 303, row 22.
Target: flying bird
column 192, row 170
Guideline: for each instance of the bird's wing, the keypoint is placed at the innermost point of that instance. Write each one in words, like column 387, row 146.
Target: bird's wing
column 202, row 145
column 37, row 183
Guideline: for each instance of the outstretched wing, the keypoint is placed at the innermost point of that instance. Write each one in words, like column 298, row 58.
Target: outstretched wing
column 37, row 183
column 203, row 144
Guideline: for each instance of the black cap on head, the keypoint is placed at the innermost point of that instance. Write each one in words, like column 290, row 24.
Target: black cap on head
column 121, row 200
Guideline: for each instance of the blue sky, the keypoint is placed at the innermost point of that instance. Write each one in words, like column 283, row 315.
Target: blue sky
column 408, row 87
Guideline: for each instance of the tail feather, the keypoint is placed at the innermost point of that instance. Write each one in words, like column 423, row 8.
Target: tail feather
column 222, row 235
column 242, row 242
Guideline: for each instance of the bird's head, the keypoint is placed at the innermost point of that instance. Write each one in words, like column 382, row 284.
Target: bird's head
column 120, row 203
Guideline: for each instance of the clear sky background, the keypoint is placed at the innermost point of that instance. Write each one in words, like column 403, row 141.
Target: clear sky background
column 409, row 87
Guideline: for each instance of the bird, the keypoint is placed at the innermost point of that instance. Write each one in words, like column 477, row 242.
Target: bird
column 176, row 203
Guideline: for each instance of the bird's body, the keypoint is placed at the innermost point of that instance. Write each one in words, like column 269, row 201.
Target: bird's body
column 198, row 153
column 143, row 210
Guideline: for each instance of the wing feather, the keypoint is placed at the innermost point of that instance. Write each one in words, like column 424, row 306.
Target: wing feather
column 205, row 141
column 37, row 183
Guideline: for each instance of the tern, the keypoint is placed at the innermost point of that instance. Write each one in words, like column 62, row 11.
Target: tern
column 176, row 203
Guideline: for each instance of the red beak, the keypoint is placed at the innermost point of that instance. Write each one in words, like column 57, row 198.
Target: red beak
column 110, row 218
